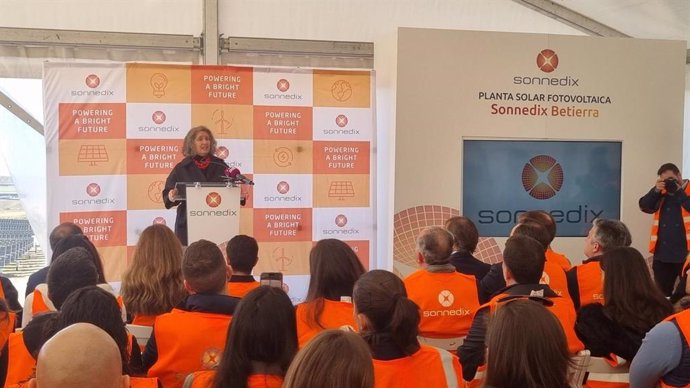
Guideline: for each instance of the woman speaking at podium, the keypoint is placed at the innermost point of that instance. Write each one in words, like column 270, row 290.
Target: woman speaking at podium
column 199, row 165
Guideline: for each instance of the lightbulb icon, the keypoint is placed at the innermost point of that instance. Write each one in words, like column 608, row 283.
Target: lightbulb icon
column 159, row 82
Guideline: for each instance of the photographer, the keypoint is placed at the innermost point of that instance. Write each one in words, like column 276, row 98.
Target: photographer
column 669, row 201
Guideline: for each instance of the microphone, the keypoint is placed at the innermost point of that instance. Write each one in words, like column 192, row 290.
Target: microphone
column 234, row 174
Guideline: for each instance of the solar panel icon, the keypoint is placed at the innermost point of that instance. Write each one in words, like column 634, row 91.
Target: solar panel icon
column 92, row 154
column 341, row 190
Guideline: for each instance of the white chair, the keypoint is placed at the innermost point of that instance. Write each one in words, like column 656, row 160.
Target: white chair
column 600, row 370
column 449, row 344
column 577, row 373
column 141, row 333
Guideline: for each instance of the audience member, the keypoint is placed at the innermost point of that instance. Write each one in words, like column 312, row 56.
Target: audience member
column 98, row 307
column 553, row 275
column 70, row 271
column 80, row 355
column 664, row 357
column 536, row 357
column 632, row 306
column 153, row 284
column 447, row 299
column 39, row 300
column 333, row 359
column 682, row 287
column 466, row 238
column 18, row 357
column 191, row 337
column 388, row 322
column 334, row 269
column 243, row 254
column 261, row 343
column 546, row 220
column 60, row 232
column 585, row 281
column 523, row 266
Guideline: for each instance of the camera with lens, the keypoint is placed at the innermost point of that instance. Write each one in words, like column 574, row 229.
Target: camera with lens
column 671, row 185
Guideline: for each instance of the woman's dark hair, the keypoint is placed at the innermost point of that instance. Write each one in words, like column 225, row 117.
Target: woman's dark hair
column 39, row 330
column 334, row 269
column 381, row 297
column 526, row 347
column 80, row 240
column 263, row 331
column 631, row 298
column 99, row 307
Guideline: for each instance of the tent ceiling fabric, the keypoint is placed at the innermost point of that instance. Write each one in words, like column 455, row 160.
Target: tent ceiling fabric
column 647, row 19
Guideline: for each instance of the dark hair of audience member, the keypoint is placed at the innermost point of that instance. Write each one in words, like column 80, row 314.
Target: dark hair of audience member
column 99, row 307
column 381, row 297
column 263, row 332
column 534, row 230
column 71, row 270
column 542, row 218
column 334, row 269
column 243, row 253
column 524, row 257
column 62, row 231
column 41, row 328
column 611, row 234
column 333, row 359
column 538, row 357
column 631, row 298
column 80, row 240
column 153, row 284
column 204, row 268
column 465, row 234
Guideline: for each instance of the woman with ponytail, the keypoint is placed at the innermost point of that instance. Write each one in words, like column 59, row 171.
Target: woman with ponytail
column 388, row 321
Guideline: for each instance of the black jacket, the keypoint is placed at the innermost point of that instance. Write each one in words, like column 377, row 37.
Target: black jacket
column 187, row 171
column 469, row 265
column 602, row 336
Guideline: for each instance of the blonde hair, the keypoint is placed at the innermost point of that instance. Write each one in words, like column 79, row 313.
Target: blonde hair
column 317, row 365
column 188, row 144
column 153, row 284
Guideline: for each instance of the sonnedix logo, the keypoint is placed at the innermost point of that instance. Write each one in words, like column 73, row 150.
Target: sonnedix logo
column 547, row 60
column 213, row 199
column 542, row 177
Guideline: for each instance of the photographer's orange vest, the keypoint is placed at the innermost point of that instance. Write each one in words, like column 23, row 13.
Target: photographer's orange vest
column 428, row 367
column 187, row 342
column 447, row 302
column 655, row 225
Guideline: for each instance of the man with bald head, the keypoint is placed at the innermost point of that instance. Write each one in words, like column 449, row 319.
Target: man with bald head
column 81, row 355
column 447, row 299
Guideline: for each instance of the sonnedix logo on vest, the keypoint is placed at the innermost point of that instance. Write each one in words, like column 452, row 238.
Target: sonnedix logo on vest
column 446, row 299
column 542, row 178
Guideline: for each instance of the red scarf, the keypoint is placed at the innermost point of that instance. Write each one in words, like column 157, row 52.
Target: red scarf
column 202, row 162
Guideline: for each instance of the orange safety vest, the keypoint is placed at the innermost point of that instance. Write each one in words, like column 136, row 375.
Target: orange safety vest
column 558, row 258
column 334, row 315
column 564, row 311
column 590, row 283
column 186, row 342
column 143, row 382
column 144, row 320
column 447, row 302
column 20, row 363
column 39, row 305
column 683, row 322
column 428, row 367
column 204, row 379
column 554, row 277
column 240, row 289
column 655, row 225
